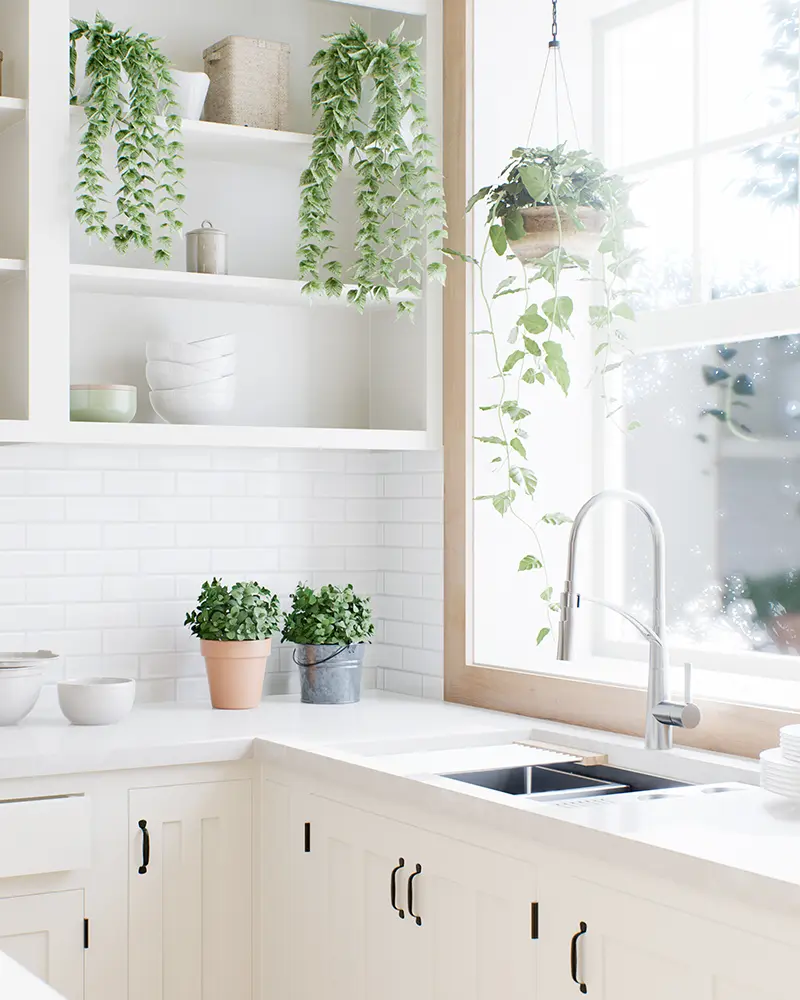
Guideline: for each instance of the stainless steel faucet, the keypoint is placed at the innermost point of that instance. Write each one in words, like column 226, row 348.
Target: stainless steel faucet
column 662, row 714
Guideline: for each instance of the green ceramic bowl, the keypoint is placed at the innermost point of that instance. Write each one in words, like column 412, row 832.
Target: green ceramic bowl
column 115, row 404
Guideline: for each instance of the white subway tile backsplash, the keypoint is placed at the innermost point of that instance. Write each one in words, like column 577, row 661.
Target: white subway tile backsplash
column 104, row 550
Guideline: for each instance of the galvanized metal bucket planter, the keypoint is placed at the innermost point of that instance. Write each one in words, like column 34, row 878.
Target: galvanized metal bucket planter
column 330, row 675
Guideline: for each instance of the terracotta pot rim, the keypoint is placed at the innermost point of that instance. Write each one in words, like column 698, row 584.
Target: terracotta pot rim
column 234, row 649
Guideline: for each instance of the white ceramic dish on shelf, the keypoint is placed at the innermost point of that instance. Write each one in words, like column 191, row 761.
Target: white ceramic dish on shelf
column 196, row 404
column 193, row 353
column 38, row 659
column 96, row 701
column 19, row 691
column 173, row 375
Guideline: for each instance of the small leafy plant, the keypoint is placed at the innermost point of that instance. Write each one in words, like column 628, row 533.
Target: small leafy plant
column 148, row 150
column 398, row 189
column 534, row 358
column 243, row 612
column 328, row 616
column 734, row 390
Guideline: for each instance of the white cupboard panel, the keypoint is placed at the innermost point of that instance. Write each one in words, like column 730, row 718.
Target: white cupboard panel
column 51, row 834
column 44, row 934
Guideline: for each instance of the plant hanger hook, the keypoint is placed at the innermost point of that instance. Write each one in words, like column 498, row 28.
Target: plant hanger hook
column 554, row 50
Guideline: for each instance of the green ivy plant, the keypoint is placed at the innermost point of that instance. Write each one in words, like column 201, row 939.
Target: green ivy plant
column 399, row 193
column 734, row 392
column 243, row 612
column 530, row 356
column 148, row 149
column 328, row 616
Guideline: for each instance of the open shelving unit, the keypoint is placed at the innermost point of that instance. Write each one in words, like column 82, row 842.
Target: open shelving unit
column 311, row 372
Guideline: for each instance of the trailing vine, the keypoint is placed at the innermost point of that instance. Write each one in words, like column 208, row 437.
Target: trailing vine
column 564, row 181
column 148, row 150
column 398, row 188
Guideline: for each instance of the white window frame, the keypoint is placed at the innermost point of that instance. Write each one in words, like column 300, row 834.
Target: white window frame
column 743, row 318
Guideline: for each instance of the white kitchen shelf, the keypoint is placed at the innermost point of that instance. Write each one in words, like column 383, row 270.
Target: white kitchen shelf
column 12, row 110
column 763, row 449
column 155, row 283
column 232, row 143
column 193, row 435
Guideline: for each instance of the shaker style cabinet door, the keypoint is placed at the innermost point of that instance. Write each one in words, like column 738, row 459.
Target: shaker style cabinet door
column 608, row 945
column 44, row 934
column 190, row 892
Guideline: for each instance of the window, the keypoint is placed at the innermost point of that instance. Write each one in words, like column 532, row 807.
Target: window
column 696, row 101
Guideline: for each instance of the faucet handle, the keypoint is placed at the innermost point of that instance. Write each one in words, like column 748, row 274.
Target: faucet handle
column 685, row 714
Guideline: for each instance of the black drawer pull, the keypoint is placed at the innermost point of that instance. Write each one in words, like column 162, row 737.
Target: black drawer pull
column 573, row 957
column 411, row 877
column 145, row 847
column 393, row 888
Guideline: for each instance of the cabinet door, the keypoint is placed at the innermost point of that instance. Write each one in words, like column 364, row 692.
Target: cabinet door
column 473, row 940
column 626, row 948
column 190, row 912
column 44, row 934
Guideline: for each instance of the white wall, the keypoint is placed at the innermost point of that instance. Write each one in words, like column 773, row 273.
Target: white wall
column 102, row 552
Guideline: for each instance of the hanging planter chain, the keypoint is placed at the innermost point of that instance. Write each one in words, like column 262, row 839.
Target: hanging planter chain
column 554, row 47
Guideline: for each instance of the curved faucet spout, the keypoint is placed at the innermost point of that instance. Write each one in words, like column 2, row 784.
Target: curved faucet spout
column 657, row 735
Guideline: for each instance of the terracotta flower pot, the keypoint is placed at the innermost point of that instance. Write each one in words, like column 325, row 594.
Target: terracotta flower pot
column 235, row 671
column 542, row 233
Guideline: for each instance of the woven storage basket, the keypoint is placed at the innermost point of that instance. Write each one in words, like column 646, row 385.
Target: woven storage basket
column 249, row 82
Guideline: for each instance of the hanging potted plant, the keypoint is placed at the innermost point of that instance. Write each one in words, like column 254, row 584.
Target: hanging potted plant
column 127, row 85
column 550, row 199
column 560, row 213
column 235, row 626
column 398, row 187
column 330, row 627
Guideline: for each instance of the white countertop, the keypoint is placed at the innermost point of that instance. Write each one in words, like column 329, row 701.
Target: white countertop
column 17, row 983
column 745, row 840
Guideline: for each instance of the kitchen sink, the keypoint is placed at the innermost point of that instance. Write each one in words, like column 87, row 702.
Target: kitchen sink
column 561, row 781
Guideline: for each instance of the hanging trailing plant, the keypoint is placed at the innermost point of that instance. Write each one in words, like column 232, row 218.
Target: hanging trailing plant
column 398, row 189
column 565, row 185
column 734, row 390
column 128, row 83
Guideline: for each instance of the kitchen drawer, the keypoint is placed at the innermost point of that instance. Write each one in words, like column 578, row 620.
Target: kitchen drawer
column 41, row 835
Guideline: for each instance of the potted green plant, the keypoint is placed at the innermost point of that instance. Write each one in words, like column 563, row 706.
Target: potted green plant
column 128, row 84
column 776, row 600
column 235, row 626
column 550, row 208
column 398, row 189
column 329, row 627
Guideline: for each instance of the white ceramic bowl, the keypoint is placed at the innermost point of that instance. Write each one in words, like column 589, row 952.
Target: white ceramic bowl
column 196, row 404
column 96, row 701
column 172, row 375
column 27, row 658
column 191, row 354
column 19, row 692
column 190, row 91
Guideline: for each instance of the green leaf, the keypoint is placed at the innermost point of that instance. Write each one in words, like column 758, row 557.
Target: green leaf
column 624, row 311
column 546, row 594
column 498, row 237
column 543, row 634
column 529, row 481
column 491, row 439
column 461, row 256
column 556, row 518
column 599, row 316
column 532, row 347
column 514, row 358
column 532, row 320
column 528, row 563
column 743, row 385
column 503, row 501
column 558, row 311
column 634, row 425
column 536, row 179
column 478, row 196
column 712, row 375
column 518, row 447
column 512, row 409
column 513, row 224
column 529, row 376
column 505, row 283
column 554, row 359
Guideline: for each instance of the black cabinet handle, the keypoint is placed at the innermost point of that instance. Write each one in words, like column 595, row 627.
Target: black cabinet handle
column 411, row 877
column 573, row 957
column 145, row 847
column 401, row 864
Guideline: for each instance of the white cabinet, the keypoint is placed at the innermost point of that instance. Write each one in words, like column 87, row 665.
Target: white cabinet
column 466, row 930
column 44, row 934
column 190, row 910
column 610, row 945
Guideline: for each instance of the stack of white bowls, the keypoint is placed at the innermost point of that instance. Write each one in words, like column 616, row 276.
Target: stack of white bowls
column 21, row 678
column 780, row 768
column 192, row 383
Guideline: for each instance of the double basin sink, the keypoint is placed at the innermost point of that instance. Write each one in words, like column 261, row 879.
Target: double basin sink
column 554, row 782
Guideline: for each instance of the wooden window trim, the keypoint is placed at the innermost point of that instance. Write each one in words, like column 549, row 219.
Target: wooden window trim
column 727, row 727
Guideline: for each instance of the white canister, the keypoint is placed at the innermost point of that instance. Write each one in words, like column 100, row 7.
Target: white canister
column 207, row 250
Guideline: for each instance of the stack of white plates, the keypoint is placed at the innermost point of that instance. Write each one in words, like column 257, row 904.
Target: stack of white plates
column 192, row 383
column 21, row 678
column 790, row 743
column 780, row 775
